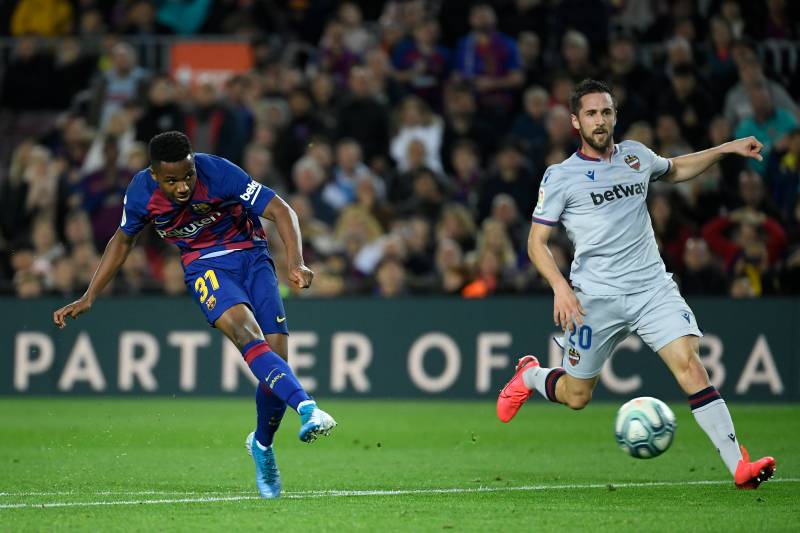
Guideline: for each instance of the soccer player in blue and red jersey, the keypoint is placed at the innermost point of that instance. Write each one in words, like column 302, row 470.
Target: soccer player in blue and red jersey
column 210, row 208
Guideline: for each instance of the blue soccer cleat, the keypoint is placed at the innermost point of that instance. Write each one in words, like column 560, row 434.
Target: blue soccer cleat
column 315, row 421
column 268, row 477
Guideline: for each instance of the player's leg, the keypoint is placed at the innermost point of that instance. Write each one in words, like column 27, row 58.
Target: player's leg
column 269, row 407
column 711, row 412
column 269, row 413
column 220, row 293
column 666, row 323
column 277, row 387
column 223, row 297
column 279, row 343
column 682, row 356
column 553, row 383
column 263, row 291
column 240, row 326
column 575, row 393
column 586, row 348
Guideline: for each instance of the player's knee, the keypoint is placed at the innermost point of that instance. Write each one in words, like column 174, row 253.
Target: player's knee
column 695, row 372
column 241, row 337
column 690, row 372
column 577, row 400
column 239, row 325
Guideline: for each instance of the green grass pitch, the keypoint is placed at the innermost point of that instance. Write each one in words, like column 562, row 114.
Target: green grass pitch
column 139, row 464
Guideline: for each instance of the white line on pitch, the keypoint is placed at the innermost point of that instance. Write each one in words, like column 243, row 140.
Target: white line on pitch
column 124, row 493
column 126, row 502
column 399, row 492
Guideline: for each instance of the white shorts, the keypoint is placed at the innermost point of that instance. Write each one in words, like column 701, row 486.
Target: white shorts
column 658, row 316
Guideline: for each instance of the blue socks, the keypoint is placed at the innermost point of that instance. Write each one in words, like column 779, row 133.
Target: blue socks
column 274, row 373
column 277, row 387
column 270, row 410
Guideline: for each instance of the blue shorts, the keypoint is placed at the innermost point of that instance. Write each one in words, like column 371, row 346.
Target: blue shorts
column 240, row 277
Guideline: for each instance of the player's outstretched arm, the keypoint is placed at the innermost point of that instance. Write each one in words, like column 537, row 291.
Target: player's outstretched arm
column 114, row 256
column 567, row 310
column 688, row 166
column 285, row 219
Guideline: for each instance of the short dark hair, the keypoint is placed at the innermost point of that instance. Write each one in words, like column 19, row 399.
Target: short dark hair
column 169, row 147
column 587, row 86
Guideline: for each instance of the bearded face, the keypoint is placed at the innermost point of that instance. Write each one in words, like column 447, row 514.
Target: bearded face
column 595, row 120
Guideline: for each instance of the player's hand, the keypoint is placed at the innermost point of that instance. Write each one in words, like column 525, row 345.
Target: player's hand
column 567, row 310
column 78, row 307
column 300, row 276
column 747, row 147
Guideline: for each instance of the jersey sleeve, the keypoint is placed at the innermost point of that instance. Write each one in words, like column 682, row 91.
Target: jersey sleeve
column 659, row 166
column 552, row 199
column 134, row 210
column 236, row 184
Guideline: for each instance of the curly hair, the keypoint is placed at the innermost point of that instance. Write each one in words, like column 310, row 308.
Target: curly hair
column 169, row 147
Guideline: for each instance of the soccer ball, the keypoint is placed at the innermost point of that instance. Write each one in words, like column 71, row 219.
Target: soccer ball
column 644, row 427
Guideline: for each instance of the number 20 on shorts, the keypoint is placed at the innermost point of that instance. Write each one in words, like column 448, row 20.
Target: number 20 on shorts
column 200, row 286
column 584, row 337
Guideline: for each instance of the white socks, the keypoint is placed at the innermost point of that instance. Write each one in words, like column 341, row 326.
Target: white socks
column 534, row 378
column 711, row 413
column 543, row 380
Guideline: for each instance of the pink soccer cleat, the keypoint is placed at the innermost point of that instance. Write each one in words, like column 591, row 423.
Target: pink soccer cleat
column 749, row 475
column 515, row 393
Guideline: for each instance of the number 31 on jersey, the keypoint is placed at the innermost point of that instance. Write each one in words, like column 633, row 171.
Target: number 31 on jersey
column 201, row 288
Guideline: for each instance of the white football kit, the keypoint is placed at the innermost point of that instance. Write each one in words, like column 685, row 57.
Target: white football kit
column 617, row 273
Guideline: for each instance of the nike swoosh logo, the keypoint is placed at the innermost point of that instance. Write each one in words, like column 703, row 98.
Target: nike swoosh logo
column 161, row 222
column 280, row 319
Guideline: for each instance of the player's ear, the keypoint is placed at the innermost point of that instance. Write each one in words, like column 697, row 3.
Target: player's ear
column 575, row 123
column 153, row 172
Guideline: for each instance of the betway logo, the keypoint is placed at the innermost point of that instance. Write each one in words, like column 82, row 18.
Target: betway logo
column 190, row 230
column 618, row 191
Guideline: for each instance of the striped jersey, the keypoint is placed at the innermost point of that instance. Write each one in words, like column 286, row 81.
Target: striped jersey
column 221, row 216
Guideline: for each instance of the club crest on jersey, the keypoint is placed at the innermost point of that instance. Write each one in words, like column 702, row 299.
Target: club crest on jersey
column 574, row 356
column 211, row 303
column 632, row 161
column 201, row 208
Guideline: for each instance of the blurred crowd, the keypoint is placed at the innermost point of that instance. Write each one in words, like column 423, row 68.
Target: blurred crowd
column 409, row 136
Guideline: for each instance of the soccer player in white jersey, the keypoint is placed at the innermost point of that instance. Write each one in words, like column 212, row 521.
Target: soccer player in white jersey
column 619, row 284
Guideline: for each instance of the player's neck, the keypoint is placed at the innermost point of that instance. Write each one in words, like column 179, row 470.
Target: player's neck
column 605, row 155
